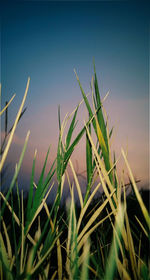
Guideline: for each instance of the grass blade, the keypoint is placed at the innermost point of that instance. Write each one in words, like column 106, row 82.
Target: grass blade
column 86, row 256
column 138, row 196
column 111, row 264
column 14, row 128
column 77, row 184
column 16, row 172
column 1, row 112
column 99, row 113
column 59, row 257
column 4, row 263
column 30, row 195
column 93, row 218
column 71, row 129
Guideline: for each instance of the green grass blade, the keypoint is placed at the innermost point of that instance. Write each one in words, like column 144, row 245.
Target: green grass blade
column 71, row 129
column 70, row 150
column 59, row 258
column 22, row 235
column 8, row 242
column 39, row 264
column 15, row 240
column 59, row 120
column 4, row 262
column 43, row 171
column 113, row 255
column 98, row 123
column 16, row 173
column 73, row 248
column 111, row 132
column 86, row 257
column 39, row 192
column 99, row 113
column 86, row 101
column 35, row 211
column 18, row 201
column 30, row 194
column 60, row 160
column 102, row 128
column 74, row 143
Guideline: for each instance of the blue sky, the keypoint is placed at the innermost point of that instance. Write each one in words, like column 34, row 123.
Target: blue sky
column 47, row 40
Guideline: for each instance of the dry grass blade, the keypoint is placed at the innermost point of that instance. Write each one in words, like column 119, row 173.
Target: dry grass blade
column 29, row 261
column 54, row 275
column 142, row 227
column 77, row 184
column 117, row 238
column 83, row 210
column 130, row 244
column 124, row 275
column 105, row 186
column 14, row 127
column 139, row 198
column 1, row 112
column 87, row 234
column 68, row 240
column 131, row 249
column 83, row 249
column 93, row 218
column 101, row 168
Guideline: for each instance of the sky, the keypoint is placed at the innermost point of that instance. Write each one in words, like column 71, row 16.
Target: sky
column 46, row 41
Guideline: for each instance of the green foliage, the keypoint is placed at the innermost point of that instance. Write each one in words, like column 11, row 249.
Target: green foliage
column 97, row 239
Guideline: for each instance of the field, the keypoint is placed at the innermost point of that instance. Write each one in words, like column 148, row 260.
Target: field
column 103, row 236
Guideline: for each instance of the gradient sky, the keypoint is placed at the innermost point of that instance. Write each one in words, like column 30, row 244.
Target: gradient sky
column 46, row 41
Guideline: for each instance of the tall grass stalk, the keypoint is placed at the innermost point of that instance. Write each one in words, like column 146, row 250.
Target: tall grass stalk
column 95, row 239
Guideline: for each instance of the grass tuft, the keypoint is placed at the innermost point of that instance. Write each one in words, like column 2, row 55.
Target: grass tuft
column 95, row 239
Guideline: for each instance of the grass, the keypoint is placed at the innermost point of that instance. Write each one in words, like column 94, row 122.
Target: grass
column 97, row 239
